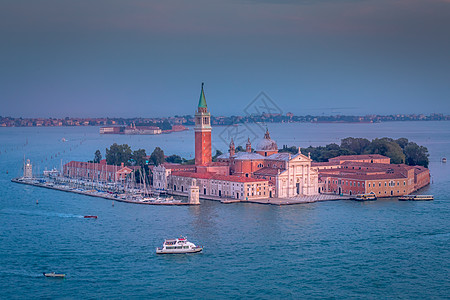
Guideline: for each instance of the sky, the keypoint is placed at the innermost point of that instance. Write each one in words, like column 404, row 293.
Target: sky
column 143, row 58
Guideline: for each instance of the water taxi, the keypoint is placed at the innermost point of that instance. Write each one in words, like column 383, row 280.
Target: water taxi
column 180, row 245
column 366, row 197
column 416, row 198
column 54, row 275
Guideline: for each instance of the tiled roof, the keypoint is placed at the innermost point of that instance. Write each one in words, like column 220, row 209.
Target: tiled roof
column 247, row 156
column 359, row 157
column 98, row 166
column 268, row 171
column 217, row 177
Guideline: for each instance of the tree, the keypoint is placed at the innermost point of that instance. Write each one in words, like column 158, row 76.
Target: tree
column 387, row 147
column 416, row 155
column 157, row 157
column 165, row 125
column 292, row 149
column 239, row 149
column 97, row 156
column 218, row 153
column 356, row 145
column 175, row 159
column 138, row 157
column 402, row 142
column 118, row 154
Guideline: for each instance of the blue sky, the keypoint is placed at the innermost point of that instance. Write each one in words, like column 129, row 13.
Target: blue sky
column 93, row 58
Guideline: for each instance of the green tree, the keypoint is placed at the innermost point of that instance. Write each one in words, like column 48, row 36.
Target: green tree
column 138, row 157
column 218, row 153
column 157, row 157
column 97, row 156
column 239, row 149
column 387, row 147
column 402, row 142
column 175, row 159
column 416, row 155
column 292, row 149
column 118, row 154
column 165, row 125
column 356, row 145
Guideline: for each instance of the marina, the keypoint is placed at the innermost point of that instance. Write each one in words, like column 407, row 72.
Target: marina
column 120, row 197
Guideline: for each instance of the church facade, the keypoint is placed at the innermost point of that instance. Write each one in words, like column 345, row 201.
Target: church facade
column 263, row 173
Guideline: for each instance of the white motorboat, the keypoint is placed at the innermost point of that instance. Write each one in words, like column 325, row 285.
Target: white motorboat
column 54, row 275
column 180, row 245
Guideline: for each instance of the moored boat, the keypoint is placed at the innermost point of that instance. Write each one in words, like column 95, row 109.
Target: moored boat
column 54, row 275
column 366, row 197
column 416, row 198
column 180, row 245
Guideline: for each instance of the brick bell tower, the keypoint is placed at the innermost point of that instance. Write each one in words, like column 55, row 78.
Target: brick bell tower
column 202, row 132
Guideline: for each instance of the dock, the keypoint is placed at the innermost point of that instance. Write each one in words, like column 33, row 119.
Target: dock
column 95, row 194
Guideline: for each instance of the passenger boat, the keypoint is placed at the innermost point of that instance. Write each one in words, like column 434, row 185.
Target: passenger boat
column 54, row 275
column 90, row 217
column 366, row 197
column 180, row 245
column 416, row 198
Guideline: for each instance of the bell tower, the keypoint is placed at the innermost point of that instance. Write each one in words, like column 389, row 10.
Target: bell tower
column 202, row 132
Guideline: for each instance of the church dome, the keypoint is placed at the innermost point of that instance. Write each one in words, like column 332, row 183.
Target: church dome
column 266, row 144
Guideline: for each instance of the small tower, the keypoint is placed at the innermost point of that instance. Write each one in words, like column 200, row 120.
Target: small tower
column 248, row 146
column 202, row 130
column 267, row 134
column 28, row 170
column 194, row 194
column 232, row 148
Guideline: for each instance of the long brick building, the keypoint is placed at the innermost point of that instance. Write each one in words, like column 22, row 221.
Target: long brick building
column 363, row 174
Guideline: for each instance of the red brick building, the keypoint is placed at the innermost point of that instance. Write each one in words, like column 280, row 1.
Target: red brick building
column 202, row 132
column 97, row 171
column 364, row 175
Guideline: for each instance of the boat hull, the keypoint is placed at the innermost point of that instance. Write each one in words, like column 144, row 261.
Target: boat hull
column 54, row 275
column 178, row 251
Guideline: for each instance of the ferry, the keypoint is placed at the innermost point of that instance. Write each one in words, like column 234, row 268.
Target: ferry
column 180, row 245
column 54, row 275
column 366, row 197
column 416, row 198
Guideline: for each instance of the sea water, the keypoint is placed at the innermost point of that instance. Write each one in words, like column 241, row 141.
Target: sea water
column 339, row 249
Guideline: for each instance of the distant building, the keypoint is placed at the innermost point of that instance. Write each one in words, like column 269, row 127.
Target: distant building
column 97, row 171
column 350, row 175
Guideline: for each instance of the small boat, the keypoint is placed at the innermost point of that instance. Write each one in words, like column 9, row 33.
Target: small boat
column 90, row 217
column 416, row 198
column 444, row 160
column 180, row 245
column 366, row 197
column 54, row 275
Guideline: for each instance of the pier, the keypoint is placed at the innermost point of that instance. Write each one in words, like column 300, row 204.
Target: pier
column 94, row 193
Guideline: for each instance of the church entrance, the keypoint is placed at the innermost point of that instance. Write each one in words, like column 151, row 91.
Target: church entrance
column 298, row 188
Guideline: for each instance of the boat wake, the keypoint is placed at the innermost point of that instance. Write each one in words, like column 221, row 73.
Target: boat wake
column 39, row 213
column 19, row 273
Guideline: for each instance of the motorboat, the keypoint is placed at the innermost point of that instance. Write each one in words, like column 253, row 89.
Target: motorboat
column 179, row 245
column 416, row 198
column 366, row 197
column 90, row 217
column 54, row 275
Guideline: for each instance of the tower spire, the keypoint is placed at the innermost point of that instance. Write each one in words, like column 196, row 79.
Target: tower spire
column 202, row 100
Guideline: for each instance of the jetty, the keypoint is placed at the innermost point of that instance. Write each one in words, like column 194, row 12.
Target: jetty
column 133, row 198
